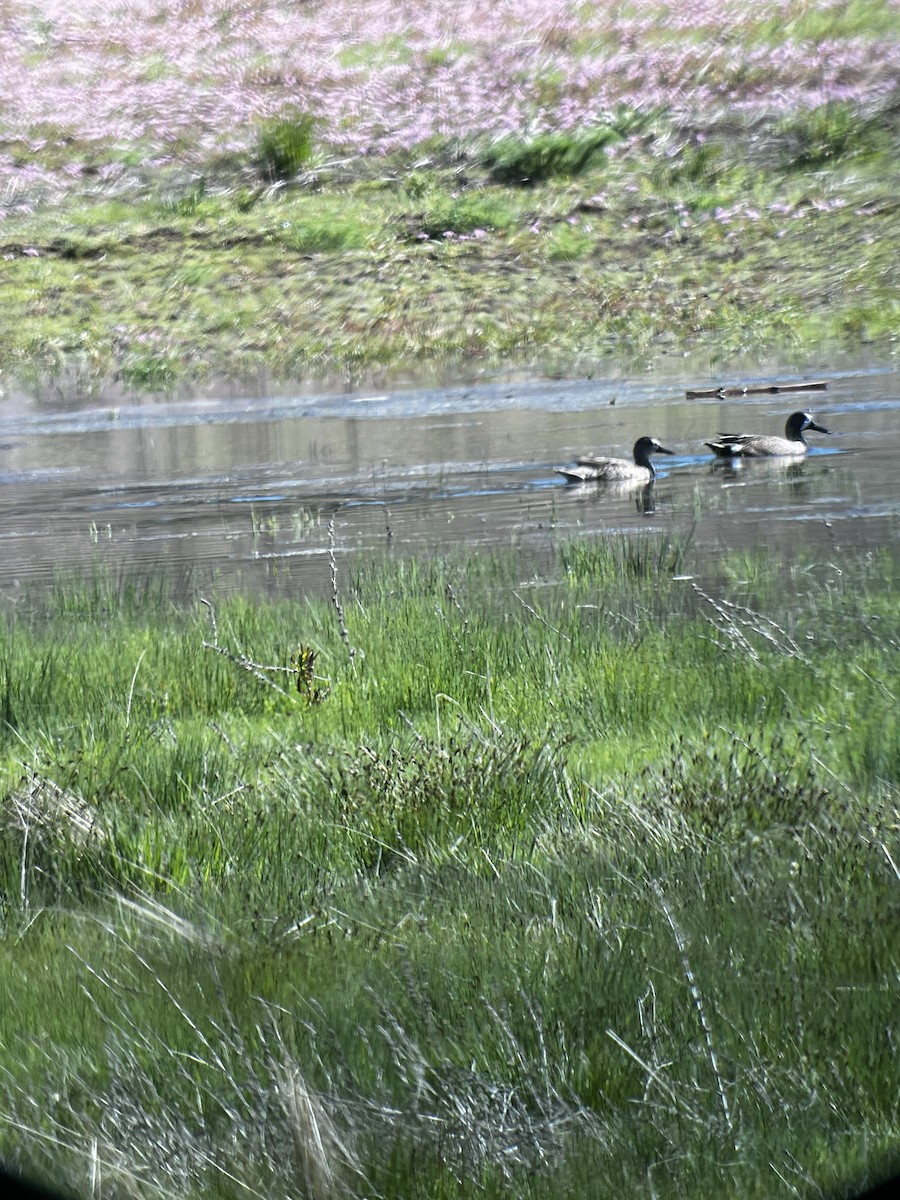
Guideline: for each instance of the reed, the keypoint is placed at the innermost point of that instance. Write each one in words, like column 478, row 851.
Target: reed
column 564, row 883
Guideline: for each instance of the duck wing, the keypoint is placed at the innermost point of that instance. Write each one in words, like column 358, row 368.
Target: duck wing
column 731, row 445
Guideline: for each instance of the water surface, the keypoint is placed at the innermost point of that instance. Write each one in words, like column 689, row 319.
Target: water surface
column 261, row 492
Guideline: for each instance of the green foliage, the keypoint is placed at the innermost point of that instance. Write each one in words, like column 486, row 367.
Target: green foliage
column 537, row 894
column 189, row 201
column 699, row 163
column 532, row 160
column 821, row 23
column 314, row 235
column 730, row 786
column 464, row 214
column 413, row 800
column 617, row 560
column 153, row 372
column 568, row 243
column 172, row 264
column 284, row 146
column 828, row 134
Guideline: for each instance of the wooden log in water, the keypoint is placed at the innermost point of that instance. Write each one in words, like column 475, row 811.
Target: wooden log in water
column 771, row 389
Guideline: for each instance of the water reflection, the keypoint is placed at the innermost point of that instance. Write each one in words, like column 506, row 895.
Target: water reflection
column 600, row 491
column 256, row 493
column 748, row 469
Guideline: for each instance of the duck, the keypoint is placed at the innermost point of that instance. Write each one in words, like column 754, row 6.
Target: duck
column 762, row 445
column 610, row 470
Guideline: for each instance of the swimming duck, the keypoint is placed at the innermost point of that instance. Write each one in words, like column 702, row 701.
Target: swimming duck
column 602, row 470
column 762, row 445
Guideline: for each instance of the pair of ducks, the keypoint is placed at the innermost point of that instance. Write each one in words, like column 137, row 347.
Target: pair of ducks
column 729, row 445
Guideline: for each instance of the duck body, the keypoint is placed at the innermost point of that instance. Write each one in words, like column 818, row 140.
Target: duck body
column 612, row 470
column 762, row 445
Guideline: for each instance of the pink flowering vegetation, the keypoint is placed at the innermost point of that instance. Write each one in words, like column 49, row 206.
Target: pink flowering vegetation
column 108, row 93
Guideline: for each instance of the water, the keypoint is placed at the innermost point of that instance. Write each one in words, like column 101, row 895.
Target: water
column 261, row 493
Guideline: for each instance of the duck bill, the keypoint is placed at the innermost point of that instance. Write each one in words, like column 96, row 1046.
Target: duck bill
column 818, row 428
column 663, row 450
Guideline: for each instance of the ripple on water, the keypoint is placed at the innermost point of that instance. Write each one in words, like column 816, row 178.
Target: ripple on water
column 253, row 489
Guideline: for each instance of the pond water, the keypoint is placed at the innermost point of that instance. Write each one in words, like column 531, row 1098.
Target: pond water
column 262, row 493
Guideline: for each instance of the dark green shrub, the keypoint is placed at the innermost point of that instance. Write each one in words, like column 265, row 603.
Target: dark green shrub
column 695, row 163
column 516, row 160
column 153, row 372
column 284, row 146
column 826, row 134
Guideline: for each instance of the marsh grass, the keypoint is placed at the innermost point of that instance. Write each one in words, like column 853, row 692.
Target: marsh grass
column 315, row 235
column 149, row 372
column 858, row 18
column 831, row 133
column 568, row 244
column 525, row 161
column 465, row 214
column 284, row 145
column 559, row 889
column 730, row 240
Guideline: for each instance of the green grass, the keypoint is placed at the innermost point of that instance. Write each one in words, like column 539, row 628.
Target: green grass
column 518, row 161
column 566, row 884
column 830, row 133
column 858, row 18
column 284, row 146
column 463, row 215
column 728, row 244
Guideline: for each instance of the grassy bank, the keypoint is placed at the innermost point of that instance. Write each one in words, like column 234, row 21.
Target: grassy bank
column 581, row 884
column 669, row 247
column 229, row 190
